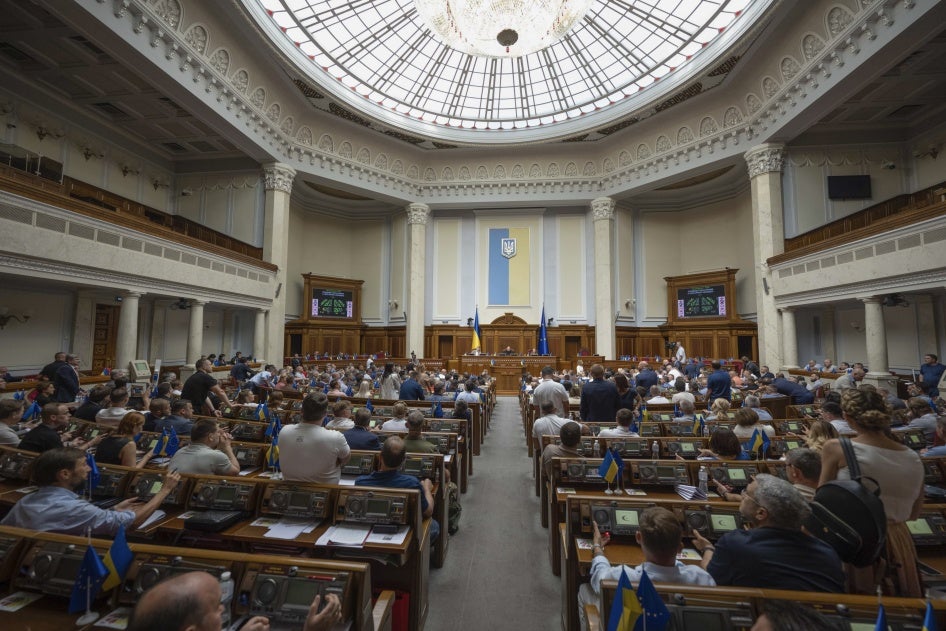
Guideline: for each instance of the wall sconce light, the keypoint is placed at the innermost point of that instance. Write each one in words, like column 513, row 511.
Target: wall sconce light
column 628, row 302
column 42, row 131
column 181, row 304
column 549, row 321
column 187, row 192
column 89, row 152
column 392, row 304
column 159, row 183
column 127, row 170
column 931, row 151
column 6, row 316
column 857, row 327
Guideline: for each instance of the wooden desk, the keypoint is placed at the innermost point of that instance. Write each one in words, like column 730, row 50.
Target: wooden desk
column 47, row 614
column 506, row 369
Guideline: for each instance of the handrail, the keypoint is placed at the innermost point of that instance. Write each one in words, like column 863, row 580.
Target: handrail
column 897, row 211
column 90, row 201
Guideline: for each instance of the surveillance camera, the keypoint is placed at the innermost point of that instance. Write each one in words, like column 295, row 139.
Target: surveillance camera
column 887, row 164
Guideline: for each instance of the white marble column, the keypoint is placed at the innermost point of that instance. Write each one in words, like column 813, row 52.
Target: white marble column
column 195, row 331
column 83, row 328
column 126, row 346
column 226, row 344
column 602, row 214
column 789, row 340
column 278, row 183
column 416, row 303
column 875, row 336
column 158, row 325
column 927, row 331
column 764, row 163
column 828, row 341
column 259, row 334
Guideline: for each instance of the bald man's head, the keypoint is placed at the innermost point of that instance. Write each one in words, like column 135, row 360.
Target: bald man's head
column 187, row 602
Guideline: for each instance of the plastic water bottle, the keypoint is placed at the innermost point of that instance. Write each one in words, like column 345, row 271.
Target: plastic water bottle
column 596, row 449
column 704, row 480
column 655, row 450
column 226, row 596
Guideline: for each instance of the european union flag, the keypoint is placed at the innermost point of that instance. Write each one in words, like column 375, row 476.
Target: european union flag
column 173, row 444
column 117, row 560
column 625, row 608
column 618, row 460
column 94, row 476
column 272, row 454
column 368, row 406
column 881, row 624
column 655, row 613
column 18, row 395
column 609, row 468
column 32, row 412
column 438, row 410
column 92, row 574
column 929, row 620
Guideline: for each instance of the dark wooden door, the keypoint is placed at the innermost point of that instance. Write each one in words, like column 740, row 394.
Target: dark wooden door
column 103, row 336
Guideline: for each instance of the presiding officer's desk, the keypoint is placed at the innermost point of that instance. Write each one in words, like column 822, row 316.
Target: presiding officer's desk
column 279, row 587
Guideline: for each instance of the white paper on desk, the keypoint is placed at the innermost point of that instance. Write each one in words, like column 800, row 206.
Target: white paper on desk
column 584, row 544
column 352, row 535
column 117, row 619
column 392, row 539
column 18, row 600
column 346, row 481
column 447, row 458
column 287, row 528
column 247, row 471
column 265, row 522
column 156, row 516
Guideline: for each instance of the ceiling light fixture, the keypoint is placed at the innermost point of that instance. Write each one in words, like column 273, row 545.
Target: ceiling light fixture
column 501, row 28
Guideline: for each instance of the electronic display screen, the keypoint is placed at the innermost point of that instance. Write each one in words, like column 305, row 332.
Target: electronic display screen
column 688, row 447
column 301, row 592
column 299, row 499
column 865, row 626
column 723, row 523
column 737, row 474
column 704, row 620
column 625, row 517
column 919, row 527
column 413, row 466
column 666, row 472
column 377, row 507
column 793, row 444
column 332, row 303
column 704, row 301
column 68, row 568
column 156, row 486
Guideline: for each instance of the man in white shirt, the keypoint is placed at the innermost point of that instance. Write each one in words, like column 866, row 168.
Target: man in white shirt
column 660, row 539
column 549, row 423
column 681, row 354
column 550, row 390
column 656, row 397
column 309, row 452
column 624, row 418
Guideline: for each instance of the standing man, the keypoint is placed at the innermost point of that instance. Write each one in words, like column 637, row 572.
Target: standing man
column 600, row 400
column 646, row 377
column 262, row 379
column 49, row 370
column 681, row 354
column 411, row 390
column 930, row 373
column 551, row 391
column 719, row 383
column 66, row 380
column 309, row 452
column 198, row 387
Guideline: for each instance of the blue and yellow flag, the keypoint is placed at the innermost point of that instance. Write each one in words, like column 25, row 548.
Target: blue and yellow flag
column 262, row 412
column 509, row 278
column 477, row 335
column 758, row 441
column 117, row 560
column 161, row 445
column 272, row 454
column 94, row 476
column 89, row 581
column 368, row 406
column 699, row 426
column 881, row 624
column 625, row 609
column 929, row 620
column 609, row 467
column 32, row 412
column 173, row 444
column 438, row 410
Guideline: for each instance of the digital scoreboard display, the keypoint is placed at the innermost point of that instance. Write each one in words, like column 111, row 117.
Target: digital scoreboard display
column 332, row 303
column 705, row 301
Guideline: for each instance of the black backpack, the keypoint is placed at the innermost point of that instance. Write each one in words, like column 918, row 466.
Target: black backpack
column 849, row 516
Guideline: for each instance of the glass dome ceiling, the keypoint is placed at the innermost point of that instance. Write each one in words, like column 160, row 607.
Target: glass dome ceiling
column 380, row 58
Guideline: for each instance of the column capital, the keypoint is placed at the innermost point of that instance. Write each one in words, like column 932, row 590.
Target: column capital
column 602, row 208
column 198, row 303
column 134, row 294
column 278, row 177
column 418, row 213
column 871, row 300
column 765, row 158
column 787, row 309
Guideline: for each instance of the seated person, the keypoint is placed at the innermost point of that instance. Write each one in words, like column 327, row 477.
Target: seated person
column 752, row 401
column 157, row 410
column 723, row 445
column 180, row 419
column 775, row 553
column 687, row 412
column 922, row 417
column 209, row 452
column 359, row 436
column 461, row 410
column 45, row 436
column 660, row 539
column 94, row 403
column 119, row 446
column 309, row 452
column 191, row 602
column 11, row 411
column 570, row 435
column 549, row 423
column 399, row 422
column 415, row 442
column 54, row 507
column 719, row 410
column 116, row 410
column 804, row 470
column 45, row 393
column 246, row 399
column 341, row 417
column 393, row 454
column 831, row 412
column 624, row 418
column 656, row 397
column 747, row 422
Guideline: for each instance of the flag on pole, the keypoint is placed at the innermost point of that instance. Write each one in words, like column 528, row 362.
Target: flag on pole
column 477, row 335
column 94, row 476
column 263, row 413
column 274, row 427
column 655, row 613
column 625, row 608
column 609, row 467
column 368, row 406
column 117, row 560
column 543, row 348
column 173, row 444
column 161, row 445
column 32, row 412
column 929, row 620
column 699, row 426
column 92, row 574
column 272, row 454
column 18, row 395
column 438, row 410
column 881, row 624
column 758, row 440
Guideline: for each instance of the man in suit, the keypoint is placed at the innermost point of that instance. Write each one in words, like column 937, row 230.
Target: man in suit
column 359, row 436
column 66, row 380
column 411, row 390
column 599, row 398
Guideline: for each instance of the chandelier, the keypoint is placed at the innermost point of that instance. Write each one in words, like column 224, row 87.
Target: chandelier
column 501, row 28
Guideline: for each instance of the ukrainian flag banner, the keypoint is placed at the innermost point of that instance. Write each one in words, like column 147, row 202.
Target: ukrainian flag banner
column 509, row 269
column 626, row 608
column 118, row 560
column 929, row 620
column 477, row 334
column 609, row 467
